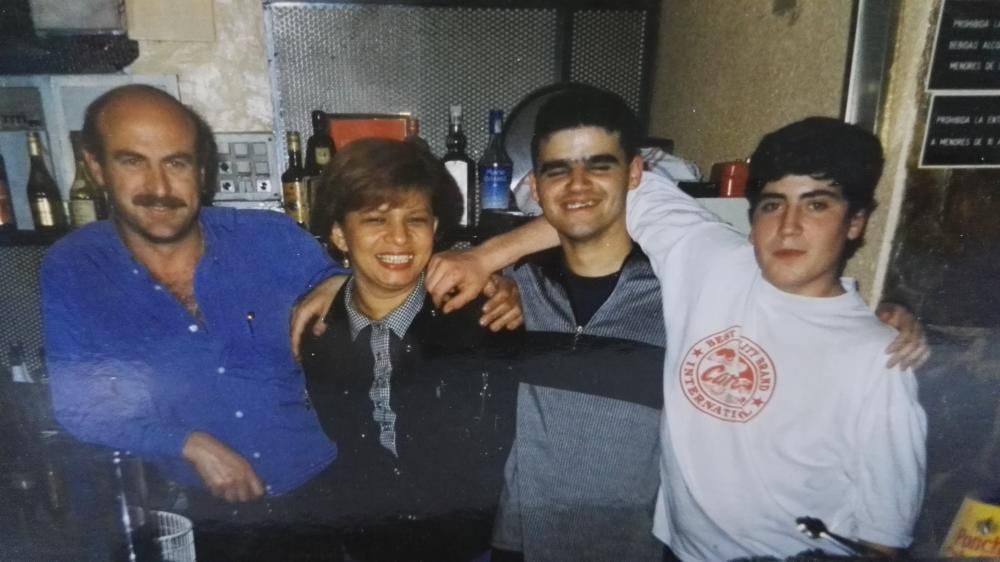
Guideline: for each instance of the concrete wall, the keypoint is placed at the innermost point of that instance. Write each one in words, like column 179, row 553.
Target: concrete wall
column 729, row 71
column 225, row 80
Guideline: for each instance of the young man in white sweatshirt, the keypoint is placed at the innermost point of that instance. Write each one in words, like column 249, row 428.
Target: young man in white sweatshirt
column 777, row 400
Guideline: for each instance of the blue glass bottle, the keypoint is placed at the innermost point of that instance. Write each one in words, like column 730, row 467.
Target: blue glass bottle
column 495, row 168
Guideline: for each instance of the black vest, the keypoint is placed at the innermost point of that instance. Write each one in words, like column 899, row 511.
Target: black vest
column 453, row 396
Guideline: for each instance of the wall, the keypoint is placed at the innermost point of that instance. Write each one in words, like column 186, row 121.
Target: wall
column 944, row 262
column 226, row 80
column 729, row 71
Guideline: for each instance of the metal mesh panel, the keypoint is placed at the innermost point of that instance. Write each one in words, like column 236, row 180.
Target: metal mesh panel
column 20, row 304
column 389, row 59
column 608, row 51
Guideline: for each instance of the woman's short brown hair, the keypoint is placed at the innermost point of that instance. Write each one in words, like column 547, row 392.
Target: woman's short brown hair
column 370, row 172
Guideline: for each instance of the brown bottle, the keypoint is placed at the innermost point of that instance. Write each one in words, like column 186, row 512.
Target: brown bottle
column 293, row 183
column 84, row 197
column 319, row 147
column 46, row 203
column 8, row 223
column 413, row 134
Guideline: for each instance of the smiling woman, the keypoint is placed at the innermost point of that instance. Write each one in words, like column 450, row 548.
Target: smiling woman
column 419, row 403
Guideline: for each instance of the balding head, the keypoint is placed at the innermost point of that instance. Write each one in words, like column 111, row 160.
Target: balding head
column 155, row 99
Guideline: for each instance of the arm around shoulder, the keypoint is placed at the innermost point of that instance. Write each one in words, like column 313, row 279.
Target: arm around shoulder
column 455, row 278
column 659, row 215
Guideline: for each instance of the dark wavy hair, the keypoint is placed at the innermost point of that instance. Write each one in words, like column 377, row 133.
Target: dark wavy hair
column 206, row 151
column 586, row 106
column 824, row 149
column 370, row 172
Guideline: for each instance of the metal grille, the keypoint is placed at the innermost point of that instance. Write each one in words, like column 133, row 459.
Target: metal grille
column 345, row 58
column 20, row 305
column 608, row 51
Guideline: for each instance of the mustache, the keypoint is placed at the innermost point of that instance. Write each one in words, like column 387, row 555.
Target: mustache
column 168, row 201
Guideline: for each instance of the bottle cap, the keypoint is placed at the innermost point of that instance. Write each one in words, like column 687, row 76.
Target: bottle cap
column 455, row 112
column 496, row 121
column 34, row 144
column 318, row 118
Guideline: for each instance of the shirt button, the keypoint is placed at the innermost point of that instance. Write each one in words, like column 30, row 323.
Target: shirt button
column 193, row 328
column 268, row 488
column 239, row 414
column 157, row 288
column 256, row 454
column 135, row 272
column 221, row 370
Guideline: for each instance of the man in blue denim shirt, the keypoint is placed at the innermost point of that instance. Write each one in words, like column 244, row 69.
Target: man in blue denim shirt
column 167, row 327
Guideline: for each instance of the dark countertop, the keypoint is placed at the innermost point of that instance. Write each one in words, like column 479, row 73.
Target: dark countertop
column 59, row 501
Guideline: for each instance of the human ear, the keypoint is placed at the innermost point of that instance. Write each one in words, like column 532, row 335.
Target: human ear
column 94, row 167
column 337, row 237
column 856, row 224
column 635, row 172
column 534, row 187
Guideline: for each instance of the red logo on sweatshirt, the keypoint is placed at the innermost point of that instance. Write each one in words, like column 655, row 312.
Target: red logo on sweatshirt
column 728, row 376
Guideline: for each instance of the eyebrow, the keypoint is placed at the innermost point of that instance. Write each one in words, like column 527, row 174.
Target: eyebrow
column 604, row 158
column 186, row 156
column 808, row 195
column 126, row 154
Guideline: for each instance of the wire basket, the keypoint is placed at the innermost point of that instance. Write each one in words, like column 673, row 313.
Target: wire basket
column 175, row 536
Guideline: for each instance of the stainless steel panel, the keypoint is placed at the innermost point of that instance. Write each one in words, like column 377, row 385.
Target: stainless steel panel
column 20, row 305
column 349, row 58
column 608, row 50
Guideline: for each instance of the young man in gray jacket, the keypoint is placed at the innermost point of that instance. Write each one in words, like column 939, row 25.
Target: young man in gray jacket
column 581, row 472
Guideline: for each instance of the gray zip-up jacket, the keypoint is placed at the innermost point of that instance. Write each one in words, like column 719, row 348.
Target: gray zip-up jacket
column 581, row 480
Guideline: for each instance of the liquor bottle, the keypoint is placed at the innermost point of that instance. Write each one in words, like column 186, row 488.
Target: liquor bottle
column 18, row 368
column 8, row 223
column 413, row 133
column 103, row 203
column 319, row 150
column 294, row 184
column 84, row 196
column 43, row 196
column 319, row 147
column 495, row 168
column 462, row 169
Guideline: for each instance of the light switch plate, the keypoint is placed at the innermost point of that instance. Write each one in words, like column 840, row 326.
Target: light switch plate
column 248, row 170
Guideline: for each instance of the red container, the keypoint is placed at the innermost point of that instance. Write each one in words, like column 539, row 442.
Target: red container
column 731, row 177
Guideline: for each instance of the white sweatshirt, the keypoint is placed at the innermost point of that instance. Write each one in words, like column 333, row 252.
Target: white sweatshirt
column 776, row 406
